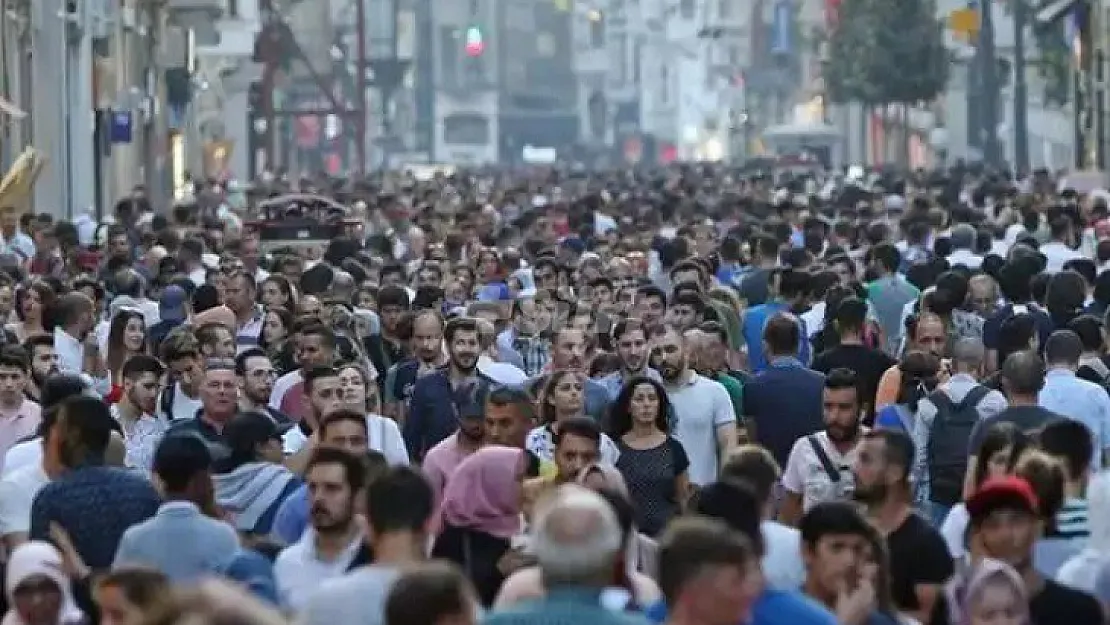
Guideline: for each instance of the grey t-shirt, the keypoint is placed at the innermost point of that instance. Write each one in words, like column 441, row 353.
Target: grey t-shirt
column 358, row 597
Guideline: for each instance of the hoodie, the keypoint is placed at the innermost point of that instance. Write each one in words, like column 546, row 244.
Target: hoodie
column 251, row 494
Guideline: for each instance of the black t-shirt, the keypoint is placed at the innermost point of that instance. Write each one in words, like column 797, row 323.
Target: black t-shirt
column 918, row 556
column 1028, row 418
column 869, row 364
column 1054, row 604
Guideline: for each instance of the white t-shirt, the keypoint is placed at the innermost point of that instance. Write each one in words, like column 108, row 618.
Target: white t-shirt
column 17, row 492
column 27, row 453
column 183, row 406
column 701, row 407
column 385, row 438
column 805, row 474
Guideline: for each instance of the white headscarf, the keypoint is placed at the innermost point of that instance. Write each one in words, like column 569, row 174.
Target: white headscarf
column 39, row 558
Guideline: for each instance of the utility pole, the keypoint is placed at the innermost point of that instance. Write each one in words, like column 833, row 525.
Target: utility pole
column 988, row 64
column 361, row 86
column 1021, row 89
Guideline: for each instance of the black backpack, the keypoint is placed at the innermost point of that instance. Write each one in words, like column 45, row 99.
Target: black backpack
column 946, row 453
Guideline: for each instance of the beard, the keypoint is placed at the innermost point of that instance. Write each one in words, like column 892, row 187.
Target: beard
column 466, row 363
column 842, row 433
column 869, row 494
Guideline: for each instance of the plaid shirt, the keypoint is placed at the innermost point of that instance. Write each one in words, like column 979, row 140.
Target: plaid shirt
column 534, row 351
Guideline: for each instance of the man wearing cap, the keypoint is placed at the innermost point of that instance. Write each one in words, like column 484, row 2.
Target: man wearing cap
column 1004, row 526
column 173, row 310
column 251, row 483
column 183, row 466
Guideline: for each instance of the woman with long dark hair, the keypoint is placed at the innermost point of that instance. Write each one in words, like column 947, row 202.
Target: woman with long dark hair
column 127, row 337
column 32, row 305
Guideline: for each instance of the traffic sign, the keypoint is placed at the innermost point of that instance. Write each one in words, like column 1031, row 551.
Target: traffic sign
column 964, row 23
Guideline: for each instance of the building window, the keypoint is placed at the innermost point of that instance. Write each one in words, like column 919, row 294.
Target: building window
column 597, row 29
column 449, row 44
column 687, row 9
column 664, row 85
column 466, row 129
column 637, row 64
column 619, row 58
column 724, row 9
column 233, row 8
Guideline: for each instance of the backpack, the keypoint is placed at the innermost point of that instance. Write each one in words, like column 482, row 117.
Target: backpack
column 946, row 452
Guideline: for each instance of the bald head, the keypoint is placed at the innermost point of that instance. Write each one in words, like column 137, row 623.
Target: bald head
column 576, row 538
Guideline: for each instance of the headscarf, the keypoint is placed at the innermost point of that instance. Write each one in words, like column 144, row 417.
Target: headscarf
column 38, row 558
column 483, row 493
column 966, row 588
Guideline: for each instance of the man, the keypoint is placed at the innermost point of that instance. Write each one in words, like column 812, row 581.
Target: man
column 74, row 341
column 399, row 510
column 819, row 467
column 335, row 479
column 889, row 293
column 1072, row 397
column 44, row 363
column 219, row 399
column 577, row 446
column 251, row 483
column 183, row 465
column 791, row 290
column 919, row 560
column 30, row 451
column 699, row 344
column 714, row 363
column 388, row 348
column 509, row 415
column 20, row 484
column 943, row 425
column 526, row 343
column 926, row 332
column 441, row 398
column 1023, row 377
column 240, row 293
column 650, row 307
column 315, row 348
column 181, row 354
column 686, row 310
column 632, row 350
column 95, row 504
column 704, row 563
column 1069, row 442
column 784, row 402
column 704, row 421
column 19, row 416
column 568, row 352
column 1004, row 526
column 577, row 541
column 323, row 389
column 755, row 283
column 835, row 538
column 1061, row 247
column 136, row 410
column 869, row 363
column 427, row 357
column 256, row 383
column 782, row 558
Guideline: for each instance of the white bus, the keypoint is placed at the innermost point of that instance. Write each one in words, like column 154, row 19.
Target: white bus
column 819, row 143
column 466, row 130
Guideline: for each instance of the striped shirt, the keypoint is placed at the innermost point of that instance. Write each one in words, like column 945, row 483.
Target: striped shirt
column 250, row 332
column 1071, row 520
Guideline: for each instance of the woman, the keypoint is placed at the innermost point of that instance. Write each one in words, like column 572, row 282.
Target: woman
column 919, row 378
column 481, row 514
column 277, row 292
column 126, row 338
column 653, row 463
column 37, row 589
column 990, row 594
column 127, row 595
column 31, row 305
column 997, row 454
column 360, row 394
column 276, row 327
column 563, row 397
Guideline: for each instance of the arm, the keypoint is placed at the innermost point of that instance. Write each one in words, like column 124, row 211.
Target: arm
column 887, row 392
column 793, row 484
column 724, row 419
column 391, row 405
column 414, row 423
column 922, row 425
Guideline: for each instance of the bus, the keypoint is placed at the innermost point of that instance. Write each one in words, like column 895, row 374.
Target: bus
column 818, row 145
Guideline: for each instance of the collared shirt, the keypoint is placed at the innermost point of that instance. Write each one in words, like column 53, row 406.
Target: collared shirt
column 18, row 424
column 141, row 438
column 300, row 570
column 198, row 425
column 95, row 505
column 614, row 382
column 17, row 491
column 435, row 409
column 20, row 244
column 534, row 352
column 248, row 333
column 1082, row 401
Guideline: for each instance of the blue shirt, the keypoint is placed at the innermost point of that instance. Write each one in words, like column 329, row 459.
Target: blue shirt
column 95, row 505
column 562, row 606
column 785, row 403
column 435, row 410
column 755, row 319
column 1082, row 401
column 774, row 607
column 292, row 517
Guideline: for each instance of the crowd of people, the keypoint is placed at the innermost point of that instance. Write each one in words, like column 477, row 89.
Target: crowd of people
column 695, row 395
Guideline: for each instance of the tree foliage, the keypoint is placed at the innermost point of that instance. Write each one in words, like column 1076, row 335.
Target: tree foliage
column 887, row 51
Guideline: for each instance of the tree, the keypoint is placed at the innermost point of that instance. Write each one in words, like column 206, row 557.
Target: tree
column 847, row 56
column 911, row 62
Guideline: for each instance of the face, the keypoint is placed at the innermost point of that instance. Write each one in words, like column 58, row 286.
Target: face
column 506, row 425
column 930, row 336
column 187, row 371
column 248, row 252
column 134, row 335
column 873, row 477
column 119, row 246
column 982, row 297
column 273, row 330
column 220, row 392
column 683, row 315
column 843, row 273
column 115, row 609
column 841, row 413
column 352, row 389
column 602, row 294
column 13, row 381
column 238, row 294
column 669, row 355
column 546, row 277
column 724, row 595
column 347, row 435
column 330, row 497
column 835, row 562
column 326, row 396
column 391, row 315
column 258, row 379
column 462, row 276
column 143, row 391
column 714, row 356
column 44, row 362
column 1008, row 535
column 644, row 405
column 223, row 344
column 570, row 350
column 996, row 603
column 6, row 299
column 650, row 309
column 38, row 600
column 573, row 454
column 31, row 304
column 272, row 295
column 310, row 306
column 427, row 277
column 463, row 350
column 632, row 349
column 427, row 339
column 312, row 351
column 568, row 396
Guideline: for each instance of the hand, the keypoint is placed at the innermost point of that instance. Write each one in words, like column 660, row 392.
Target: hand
column 72, row 563
column 855, row 605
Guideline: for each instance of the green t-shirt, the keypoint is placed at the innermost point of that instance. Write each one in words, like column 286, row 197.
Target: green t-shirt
column 735, row 393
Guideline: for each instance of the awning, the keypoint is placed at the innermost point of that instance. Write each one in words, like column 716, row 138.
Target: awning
column 11, row 110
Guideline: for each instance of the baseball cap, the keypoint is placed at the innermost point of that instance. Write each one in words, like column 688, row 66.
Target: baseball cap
column 247, row 430
column 1002, row 493
column 171, row 306
column 182, row 454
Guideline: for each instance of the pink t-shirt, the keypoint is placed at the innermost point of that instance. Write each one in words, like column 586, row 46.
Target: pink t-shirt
column 439, row 463
column 18, row 424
